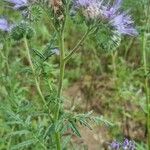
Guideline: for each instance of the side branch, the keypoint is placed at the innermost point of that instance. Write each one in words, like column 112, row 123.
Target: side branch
column 77, row 46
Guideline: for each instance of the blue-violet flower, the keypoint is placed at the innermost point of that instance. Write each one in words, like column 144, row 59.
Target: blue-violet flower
column 18, row 4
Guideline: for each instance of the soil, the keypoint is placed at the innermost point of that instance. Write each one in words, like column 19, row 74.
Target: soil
column 93, row 93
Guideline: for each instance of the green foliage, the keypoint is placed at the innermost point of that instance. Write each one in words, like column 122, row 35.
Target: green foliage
column 108, row 42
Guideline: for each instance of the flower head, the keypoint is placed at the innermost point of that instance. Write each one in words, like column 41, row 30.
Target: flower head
column 91, row 9
column 124, row 24
column 121, row 21
column 4, row 25
column 18, row 4
column 107, row 13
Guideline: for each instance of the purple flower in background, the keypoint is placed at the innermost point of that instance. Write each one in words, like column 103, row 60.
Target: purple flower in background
column 115, row 145
column 128, row 145
column 18, row 4
column 4, row 25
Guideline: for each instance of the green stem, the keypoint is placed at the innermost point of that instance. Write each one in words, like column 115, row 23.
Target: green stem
column 61, row 76
column 114, row 64
column 63, row 61
column 58, row 141
column 98, row 60
column 146, row 89
column 128, row 47
column 33, row 71
column 62, row 64
column 10, row 140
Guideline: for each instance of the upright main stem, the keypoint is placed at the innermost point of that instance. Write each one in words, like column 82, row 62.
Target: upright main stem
column 63, row 61
column 61, row 76
column 146, row 89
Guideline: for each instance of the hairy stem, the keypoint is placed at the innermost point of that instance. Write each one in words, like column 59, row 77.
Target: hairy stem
column 63, row 61
column 61, row 76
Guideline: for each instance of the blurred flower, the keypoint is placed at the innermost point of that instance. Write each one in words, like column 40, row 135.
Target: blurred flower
column 18, row 4
column 4, row 25
column 55, row 51
column 128, row 145
column 115, row 145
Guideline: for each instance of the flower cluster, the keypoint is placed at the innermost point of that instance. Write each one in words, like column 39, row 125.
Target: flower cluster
column 97, row 9
column 126, row 145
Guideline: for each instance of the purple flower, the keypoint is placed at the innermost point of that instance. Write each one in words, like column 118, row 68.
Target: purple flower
column 83, row 3
column 110, row 11
column 18, row 4
column 91, row 9
column 120, row 21
column 128, row 145
column 124, row 24
column 109, row 14
column 4, row 25
column 115, row 145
